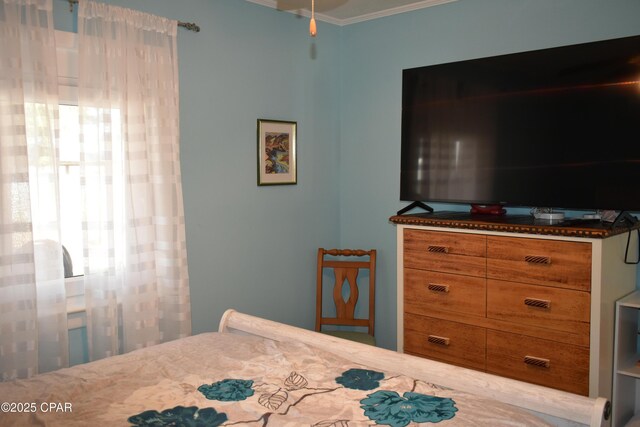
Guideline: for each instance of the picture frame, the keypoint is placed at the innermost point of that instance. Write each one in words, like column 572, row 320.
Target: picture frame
column 277, row 146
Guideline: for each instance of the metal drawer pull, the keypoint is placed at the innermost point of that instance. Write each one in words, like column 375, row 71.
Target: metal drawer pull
column 438, row 249
column 539, row 303
column 438, row 340
column 537, row 361
column 438, row 288
column 536, row 259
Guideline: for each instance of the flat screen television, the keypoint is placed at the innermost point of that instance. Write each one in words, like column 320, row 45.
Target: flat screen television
column 554, row 128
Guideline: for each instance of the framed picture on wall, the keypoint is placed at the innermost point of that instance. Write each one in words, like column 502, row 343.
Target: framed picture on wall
column 277, row 152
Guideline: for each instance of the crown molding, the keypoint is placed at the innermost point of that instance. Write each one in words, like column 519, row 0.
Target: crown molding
column 393, row 11
column 366, row 17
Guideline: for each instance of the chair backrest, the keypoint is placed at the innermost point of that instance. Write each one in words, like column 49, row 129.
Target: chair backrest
column 346, row 270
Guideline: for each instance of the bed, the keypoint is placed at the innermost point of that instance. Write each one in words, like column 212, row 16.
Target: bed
column 258, row 372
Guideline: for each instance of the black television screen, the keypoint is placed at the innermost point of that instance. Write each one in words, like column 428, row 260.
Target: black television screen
column 555, row 128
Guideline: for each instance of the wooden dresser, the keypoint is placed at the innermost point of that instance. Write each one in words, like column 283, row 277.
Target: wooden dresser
column 512, row 298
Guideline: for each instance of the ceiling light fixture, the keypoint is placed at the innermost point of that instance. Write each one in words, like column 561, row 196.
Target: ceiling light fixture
column 312, row 24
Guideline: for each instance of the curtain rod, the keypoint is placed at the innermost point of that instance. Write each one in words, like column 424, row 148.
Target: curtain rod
column 188, row 25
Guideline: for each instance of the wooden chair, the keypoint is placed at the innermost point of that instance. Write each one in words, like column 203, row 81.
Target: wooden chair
column 345, row 309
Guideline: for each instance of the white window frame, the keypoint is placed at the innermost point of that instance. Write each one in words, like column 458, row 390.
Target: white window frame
column 67, row 57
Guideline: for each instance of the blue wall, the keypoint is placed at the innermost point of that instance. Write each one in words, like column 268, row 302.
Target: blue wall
column 254, row 248
column 373, row 56
column 251, row 248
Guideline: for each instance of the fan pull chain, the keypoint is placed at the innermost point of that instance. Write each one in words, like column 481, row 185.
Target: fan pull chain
column 312, row 24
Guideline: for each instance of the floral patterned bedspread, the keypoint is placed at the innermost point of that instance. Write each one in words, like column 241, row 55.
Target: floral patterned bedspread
column 229, row 380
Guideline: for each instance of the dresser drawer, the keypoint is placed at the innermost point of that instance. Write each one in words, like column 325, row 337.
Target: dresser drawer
column 425, row 290
column 445, row 341
column 445, row 252
column 540, row 306
column 542, row 262
column 538, row 361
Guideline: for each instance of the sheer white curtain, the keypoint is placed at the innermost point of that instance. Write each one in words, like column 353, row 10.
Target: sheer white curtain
column 136, row 281
column 33, row 318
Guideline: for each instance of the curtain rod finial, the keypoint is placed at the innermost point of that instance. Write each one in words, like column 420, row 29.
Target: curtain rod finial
column 190, row 26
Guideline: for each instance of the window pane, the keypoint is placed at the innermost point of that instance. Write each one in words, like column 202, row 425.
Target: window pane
column 71, row 215
column 70, row 200
column 69, row 137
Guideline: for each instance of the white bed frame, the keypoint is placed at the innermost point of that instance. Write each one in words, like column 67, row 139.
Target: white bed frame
column 557, row 407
